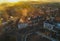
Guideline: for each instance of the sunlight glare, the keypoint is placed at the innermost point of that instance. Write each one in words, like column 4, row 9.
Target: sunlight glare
column 13, row 0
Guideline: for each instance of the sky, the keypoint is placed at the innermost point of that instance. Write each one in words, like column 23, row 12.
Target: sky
column 2, row 1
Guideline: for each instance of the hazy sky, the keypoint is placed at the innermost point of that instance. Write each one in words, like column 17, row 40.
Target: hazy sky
column 53, row 0
column 1, row 1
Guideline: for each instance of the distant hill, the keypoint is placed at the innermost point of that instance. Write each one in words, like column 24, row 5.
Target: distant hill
column 53, row 4
column 29, row 2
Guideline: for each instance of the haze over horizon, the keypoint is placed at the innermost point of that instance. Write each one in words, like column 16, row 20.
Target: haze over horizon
column 4, row 1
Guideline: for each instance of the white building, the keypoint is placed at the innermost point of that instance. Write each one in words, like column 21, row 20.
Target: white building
column 48, row 26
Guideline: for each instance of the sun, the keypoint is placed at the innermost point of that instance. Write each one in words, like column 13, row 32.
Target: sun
column 13, row 0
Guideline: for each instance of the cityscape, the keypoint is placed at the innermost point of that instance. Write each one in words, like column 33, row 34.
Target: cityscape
column 30, row 21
